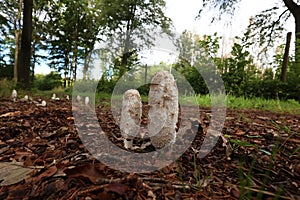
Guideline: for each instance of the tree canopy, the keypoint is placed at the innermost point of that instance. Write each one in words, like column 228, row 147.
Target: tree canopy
column 66, row 35
column 267, row 25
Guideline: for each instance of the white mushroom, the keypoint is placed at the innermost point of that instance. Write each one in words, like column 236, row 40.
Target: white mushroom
column 163, row 113
column 43, row 103
column 14, row 95
column 86, row 101
column 53, row 96
column 78, row 98
column 26, row 98
column 130, row 116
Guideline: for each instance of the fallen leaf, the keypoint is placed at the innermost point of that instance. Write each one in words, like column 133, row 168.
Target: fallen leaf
column 118, row 188
column 48, row 173
column 152, row 195
column 235, row 193
column 87, row 171
column 11, row 114
column 240, row 133
column 12, row 173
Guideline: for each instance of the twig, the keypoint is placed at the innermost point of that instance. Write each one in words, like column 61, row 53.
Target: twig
column 90, row 189
column 160, row 182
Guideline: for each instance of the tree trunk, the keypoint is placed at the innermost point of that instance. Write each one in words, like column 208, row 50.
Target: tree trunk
column 17, row 50
column 286, row 57
column 294, row 8
column 25, row 53
column 75, row 55
column 127, row 53
column 297, row 42
column 17, row 25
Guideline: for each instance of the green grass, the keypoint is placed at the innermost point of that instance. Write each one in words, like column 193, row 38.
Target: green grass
column 289, row 106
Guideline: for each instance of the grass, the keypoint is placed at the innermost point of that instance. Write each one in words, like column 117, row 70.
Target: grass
column 232, row 102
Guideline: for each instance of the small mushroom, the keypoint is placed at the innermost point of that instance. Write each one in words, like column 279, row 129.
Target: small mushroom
column 43, row 103
column 78, row 98
column 53, row 96
column 130, row 116
column 14, row 95
column 86, row 101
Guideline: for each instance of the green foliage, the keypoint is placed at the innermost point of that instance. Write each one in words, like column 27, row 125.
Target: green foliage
column 132, row 26
column 6, row 71
column 241, row 76
column 6, row 87
column 238, row 70
column 223, row 7
column 266, row 28
column 106, row 85
column 196, row 53
column 48, row 82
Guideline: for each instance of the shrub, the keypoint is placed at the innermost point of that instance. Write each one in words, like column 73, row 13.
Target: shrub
column 48, row 82
column 6, row 87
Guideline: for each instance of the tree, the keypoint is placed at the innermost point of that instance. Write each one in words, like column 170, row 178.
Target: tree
column 196, row 53
column 185, row 45
column 10, row 24
column 268, row 27
column 72, row 30
column 25, row 52
column 132, row 21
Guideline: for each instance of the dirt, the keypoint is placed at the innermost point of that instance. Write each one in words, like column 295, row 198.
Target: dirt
column 257, row 157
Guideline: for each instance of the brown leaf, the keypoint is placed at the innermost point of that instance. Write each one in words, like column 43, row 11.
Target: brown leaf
column 118, row 188
column 21, row 155
column 12, row 173
column 240, row 132
column 235, row 193
column 106, row 196
column 26, row 124
column 11, row 114
column 88, row 171
column 48, row 173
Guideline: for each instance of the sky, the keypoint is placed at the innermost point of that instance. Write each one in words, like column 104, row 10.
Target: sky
column 183, row 15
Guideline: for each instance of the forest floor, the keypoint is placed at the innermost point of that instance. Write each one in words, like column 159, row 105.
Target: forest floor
column 43, row 157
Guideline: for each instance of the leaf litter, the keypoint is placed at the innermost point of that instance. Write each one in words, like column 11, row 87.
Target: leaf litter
column 42, row 157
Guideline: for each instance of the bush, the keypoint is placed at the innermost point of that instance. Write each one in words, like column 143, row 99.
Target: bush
column 7, row 71
column 47, row 82
column 6, row 87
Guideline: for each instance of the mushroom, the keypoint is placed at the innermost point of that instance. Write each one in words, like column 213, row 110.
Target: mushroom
column 14, row 95
column 163, row 113
column 130, row 116
column 86, row 101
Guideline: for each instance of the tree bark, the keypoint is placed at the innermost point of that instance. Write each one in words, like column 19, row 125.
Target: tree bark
column 286, row 57
column 25, row 52
column 297, row 42
column 75, row 54
column 127, row 53
column 17, row 30
column 294, row 8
